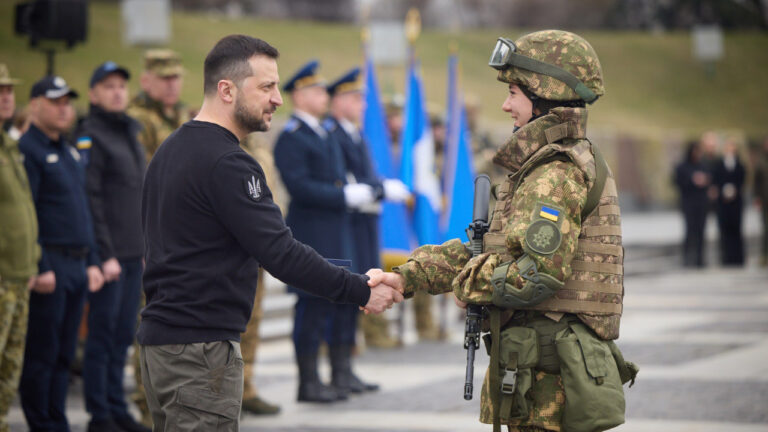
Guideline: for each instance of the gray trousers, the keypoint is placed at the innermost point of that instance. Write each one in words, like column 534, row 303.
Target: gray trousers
column 193, row 387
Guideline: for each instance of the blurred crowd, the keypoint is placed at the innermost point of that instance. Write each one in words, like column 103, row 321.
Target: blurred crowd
column 714, row 178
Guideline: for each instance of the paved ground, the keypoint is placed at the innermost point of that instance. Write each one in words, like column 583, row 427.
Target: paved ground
column 700, row 338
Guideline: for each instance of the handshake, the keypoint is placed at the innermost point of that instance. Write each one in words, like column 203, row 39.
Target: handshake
column 387, row 288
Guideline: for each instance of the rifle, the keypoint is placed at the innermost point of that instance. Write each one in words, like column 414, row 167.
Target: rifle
column 475, row 232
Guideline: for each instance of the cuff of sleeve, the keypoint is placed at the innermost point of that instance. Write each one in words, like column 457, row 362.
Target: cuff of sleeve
column 44, row 265
column 408, row 271
column 361, row 292
column 93, row 258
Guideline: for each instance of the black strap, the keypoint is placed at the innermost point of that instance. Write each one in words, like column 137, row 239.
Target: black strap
column 594, row 194
column 494, row 381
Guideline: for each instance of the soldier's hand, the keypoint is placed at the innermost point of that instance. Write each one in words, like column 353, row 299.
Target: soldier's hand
column 459, row 303
column 111, row 269
column 95, row 278
column 395, row 280
column 31, row 282
column 45, row 283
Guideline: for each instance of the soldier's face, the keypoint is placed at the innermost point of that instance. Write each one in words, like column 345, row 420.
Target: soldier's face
column 518, row 106
column 7, row 102
column 54, row 115
column 164, row 89
column 111, row 93
column 258, row 96
column 312, row 100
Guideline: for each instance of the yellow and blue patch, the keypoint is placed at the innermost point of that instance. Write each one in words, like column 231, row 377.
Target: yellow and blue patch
column 84, row 143
column 549, row 213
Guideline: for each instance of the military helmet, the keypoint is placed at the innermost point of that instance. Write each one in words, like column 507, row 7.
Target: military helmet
column 552, row 64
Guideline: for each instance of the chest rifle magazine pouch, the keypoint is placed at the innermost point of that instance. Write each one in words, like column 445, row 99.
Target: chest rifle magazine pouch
column 594, row 398
column 518, row 354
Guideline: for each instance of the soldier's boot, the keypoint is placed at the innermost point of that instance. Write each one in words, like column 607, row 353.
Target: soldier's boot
column 311, row 389
column 342, row 377
column 140, row 399
column 258, row 406
column 376, row 332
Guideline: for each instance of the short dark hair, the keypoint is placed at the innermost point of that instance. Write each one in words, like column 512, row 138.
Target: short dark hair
column 229, row 60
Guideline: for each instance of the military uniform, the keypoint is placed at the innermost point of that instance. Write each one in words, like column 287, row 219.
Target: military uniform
column 551, row 271
column 157, row 120
column 19, row 253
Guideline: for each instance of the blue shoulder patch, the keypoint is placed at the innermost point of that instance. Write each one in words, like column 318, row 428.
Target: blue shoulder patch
column 329, row 125
column 291, row 125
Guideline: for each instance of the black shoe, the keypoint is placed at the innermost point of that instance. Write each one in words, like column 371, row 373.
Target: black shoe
column 103, row 426
column 344, row 380
column 128, row 424
column 359, row 386
column 311, row 389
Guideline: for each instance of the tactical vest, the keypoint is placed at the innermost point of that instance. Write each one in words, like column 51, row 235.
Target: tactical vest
column 594, row 291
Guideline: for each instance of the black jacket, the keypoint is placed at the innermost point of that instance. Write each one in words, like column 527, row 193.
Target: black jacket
column 209, row 221
column 114, row 174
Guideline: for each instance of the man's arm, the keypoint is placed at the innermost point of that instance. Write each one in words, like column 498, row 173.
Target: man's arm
column 243, row 203
column 94, row 186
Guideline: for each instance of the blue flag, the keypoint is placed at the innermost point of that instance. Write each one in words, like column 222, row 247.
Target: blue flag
column 458, row 170
column 395, row 233
column 417, row 168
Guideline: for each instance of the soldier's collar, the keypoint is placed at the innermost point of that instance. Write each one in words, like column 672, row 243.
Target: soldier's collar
column 560, row 123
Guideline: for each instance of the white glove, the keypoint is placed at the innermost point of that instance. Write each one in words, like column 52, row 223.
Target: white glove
column 395, row 190
column 357, row 195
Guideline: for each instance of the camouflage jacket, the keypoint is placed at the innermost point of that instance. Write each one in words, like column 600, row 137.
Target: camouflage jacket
column 157, row 125
column 561, row 184
column 19, row 251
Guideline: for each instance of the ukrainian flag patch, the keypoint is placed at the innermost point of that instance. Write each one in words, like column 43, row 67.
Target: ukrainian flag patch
column 549, row 213
column 84, row 143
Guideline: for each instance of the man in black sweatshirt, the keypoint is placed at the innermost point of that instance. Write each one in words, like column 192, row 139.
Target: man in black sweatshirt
column 209, row 223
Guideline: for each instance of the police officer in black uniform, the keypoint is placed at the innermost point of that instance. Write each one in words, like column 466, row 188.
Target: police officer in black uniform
column 69, row 265
column 312, row 167
column 113, row 182
column 209, row 223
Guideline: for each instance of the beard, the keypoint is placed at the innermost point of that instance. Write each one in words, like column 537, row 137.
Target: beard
column 248, row 120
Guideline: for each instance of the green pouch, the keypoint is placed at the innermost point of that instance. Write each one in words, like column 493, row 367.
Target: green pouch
column 594, row 398
column 518, row 354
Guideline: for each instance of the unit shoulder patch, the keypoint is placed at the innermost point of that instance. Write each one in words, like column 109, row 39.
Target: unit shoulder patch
column 253, row 188
column 84, row 143
column 543, row 237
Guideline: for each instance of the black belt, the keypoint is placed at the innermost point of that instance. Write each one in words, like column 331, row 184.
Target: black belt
column 72, row 252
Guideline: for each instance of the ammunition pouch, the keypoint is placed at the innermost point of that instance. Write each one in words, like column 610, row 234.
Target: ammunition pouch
column 518, row 355
column 538, row 286
column 591, row 377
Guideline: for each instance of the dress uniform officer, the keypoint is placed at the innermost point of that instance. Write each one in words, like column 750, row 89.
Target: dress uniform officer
column 19, row 252
column 113, row 181
column 311, row 165
column 347, row 107
column 551, row 271
column 69, row 265
column 157, row 107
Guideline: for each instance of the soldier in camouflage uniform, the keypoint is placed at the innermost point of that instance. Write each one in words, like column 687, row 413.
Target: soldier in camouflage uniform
column 158, row 109
column 551, row 272
column 157, row 106
column 19, row 253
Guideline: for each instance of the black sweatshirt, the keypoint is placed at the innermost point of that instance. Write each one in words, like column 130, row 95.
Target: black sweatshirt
column 209, row 221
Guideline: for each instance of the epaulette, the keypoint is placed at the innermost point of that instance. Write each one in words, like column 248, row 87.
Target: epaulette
column 84, row 143
column 329, row 125
column 291, row 125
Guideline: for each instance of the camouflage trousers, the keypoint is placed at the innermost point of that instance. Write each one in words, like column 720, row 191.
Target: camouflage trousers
column 14, row 311
column 548, row 402
column 249, row 341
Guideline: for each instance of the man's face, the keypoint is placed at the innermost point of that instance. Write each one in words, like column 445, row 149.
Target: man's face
column 350, row 106
column 518, row 106
column 164, row 89
column 7, row 102
column 111, row 93
column 312, row 100
column 55, row 115
column 258, row 96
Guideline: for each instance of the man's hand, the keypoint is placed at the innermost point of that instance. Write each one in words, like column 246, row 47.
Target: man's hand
column 95, row 278
column 111, row 269
column 394, row 280
column 382, row 294
column 45, row 283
